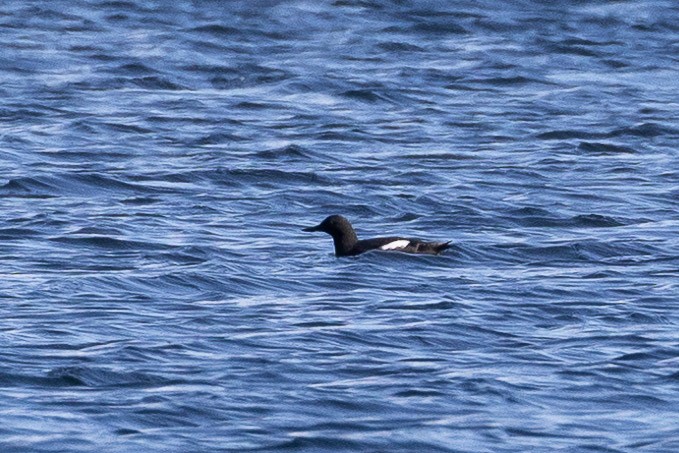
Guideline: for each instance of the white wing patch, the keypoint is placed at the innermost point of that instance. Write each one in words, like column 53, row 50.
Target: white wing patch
column 399, row 244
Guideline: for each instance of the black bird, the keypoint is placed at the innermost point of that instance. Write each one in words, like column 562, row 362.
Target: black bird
column 348, row 244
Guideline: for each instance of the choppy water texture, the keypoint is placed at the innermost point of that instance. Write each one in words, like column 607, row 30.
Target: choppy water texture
column 159, row 160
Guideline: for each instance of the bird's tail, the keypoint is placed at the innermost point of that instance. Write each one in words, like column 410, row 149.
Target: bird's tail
column 442, row 246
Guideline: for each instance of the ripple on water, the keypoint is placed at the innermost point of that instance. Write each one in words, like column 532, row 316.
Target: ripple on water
column 160, row 161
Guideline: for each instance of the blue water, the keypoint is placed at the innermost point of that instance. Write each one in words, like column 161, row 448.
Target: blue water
column 159, row 159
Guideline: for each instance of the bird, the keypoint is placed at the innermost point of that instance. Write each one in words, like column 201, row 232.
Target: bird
column 347, row 243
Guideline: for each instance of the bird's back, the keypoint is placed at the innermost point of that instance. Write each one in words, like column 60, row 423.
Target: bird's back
column 399, row 244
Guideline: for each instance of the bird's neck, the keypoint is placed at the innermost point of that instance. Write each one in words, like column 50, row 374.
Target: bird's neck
column 344, row 242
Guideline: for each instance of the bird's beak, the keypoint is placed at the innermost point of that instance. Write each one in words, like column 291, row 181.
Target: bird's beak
column 313, row 228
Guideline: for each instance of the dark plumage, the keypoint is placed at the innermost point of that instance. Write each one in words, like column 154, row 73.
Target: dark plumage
column 348, row 244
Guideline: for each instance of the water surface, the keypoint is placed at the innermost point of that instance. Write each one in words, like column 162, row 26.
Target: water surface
column 160, row 159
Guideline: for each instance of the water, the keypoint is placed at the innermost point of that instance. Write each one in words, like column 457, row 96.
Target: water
column 160, row 159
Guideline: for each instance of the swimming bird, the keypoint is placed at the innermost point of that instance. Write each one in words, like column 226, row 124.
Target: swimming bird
column 348, row 244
